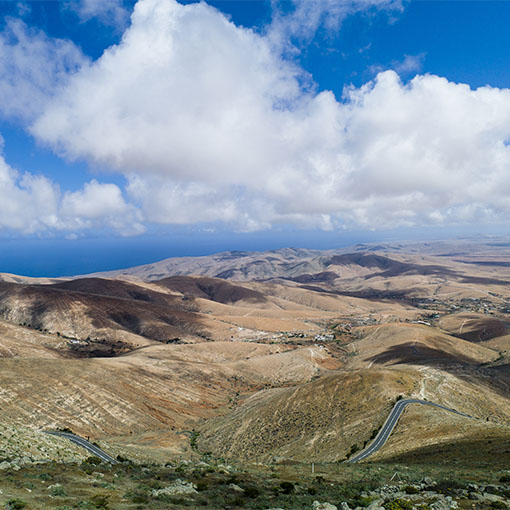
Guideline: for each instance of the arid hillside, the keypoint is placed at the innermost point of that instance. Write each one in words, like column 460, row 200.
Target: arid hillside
column 286, row 355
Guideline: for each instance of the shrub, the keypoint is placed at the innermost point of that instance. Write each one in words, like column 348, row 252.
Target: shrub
column 374, row 433
column 410, row 489
column 449, row 487
column 251, row 492
column 398, row 504
column 93, row 460
column 140, row 498
column 287, row 487
column 353, row 450
column 99, row 501
column 499, row 505
column 505, row 479
column 65, row 429
column 58, row 491
column 14, row 504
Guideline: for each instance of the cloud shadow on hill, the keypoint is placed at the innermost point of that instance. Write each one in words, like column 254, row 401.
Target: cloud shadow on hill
column 418, row 353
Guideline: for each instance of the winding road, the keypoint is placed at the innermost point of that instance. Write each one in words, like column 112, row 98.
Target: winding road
column 390, row 423
column 84, row 444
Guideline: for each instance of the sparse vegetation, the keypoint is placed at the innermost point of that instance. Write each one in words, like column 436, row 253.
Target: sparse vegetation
column 14, row 504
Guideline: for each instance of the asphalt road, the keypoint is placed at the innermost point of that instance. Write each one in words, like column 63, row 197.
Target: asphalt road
column 390, row 423
column 84, row 444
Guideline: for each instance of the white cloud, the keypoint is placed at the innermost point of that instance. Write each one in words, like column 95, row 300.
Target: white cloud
column 99, row 205
column 410, row 64
column 109, row 12
column 27, row 202
column 304, row 18
column 32, row 203
column 32, row 68
column 209, row 123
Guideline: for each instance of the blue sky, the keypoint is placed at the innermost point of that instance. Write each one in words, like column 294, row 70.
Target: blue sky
column 134, row 131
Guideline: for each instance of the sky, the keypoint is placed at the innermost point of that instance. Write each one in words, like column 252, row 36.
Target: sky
column 132, row 131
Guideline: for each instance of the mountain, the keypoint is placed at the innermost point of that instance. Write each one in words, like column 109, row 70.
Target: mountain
column 290, row 355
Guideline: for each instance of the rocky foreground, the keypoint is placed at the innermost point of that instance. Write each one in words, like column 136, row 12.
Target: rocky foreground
column 215, row 485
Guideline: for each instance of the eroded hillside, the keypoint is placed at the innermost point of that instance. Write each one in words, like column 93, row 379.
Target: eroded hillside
column 293, row 354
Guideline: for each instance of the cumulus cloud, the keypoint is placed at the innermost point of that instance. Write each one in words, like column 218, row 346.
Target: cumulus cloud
column 32, row 68
column 27, row 202
column 32, row 203
column 99, row 204
column 209, row 124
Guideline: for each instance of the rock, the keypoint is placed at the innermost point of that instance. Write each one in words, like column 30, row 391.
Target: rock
column 375, row 505
column 451, row 502
column 445, row 504
column 326, row 506
column 428, row 481
column 225, row 468
column 177, row 488
column 5, row 465
column 344, row 506
column 491, row 498
column 235, row 487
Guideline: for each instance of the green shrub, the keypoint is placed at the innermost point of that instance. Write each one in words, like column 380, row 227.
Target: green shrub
column 99, row 501
column 364, row 501
column 398, row 504
column 58, row 491
column 175, row 500
column 43, row 476
column 287, row 487
column 14, row 504
column 505, row 479
column 353, row 450
column 251, row 492
column 449, row 487
column 410, row 489
column 92, row 460
column 139, row 498
column 499, row 505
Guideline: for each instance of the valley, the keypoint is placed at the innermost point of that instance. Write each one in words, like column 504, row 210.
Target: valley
column 265, row 359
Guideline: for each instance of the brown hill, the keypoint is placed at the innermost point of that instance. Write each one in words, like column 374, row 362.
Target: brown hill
column 300, row 358
column 324, row 419
column 214, row 289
